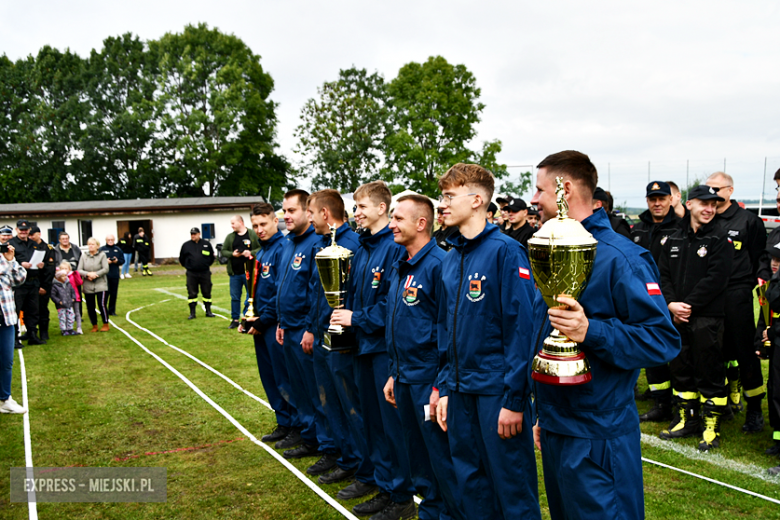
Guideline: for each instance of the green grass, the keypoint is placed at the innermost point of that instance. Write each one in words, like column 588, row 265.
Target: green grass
column 99, row 397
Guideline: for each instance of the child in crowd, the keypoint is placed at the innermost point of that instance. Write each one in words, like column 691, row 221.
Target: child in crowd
column 64, row 296
column 75, row 281
column 771, row 332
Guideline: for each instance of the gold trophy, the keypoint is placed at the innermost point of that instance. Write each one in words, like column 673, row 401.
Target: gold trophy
column 252, row 269
column 333, row 264
column 561, row 255
column 764, row 304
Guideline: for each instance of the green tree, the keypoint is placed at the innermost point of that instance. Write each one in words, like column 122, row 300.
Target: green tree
column 515, row 189
column 217, row 122
column 435, row 110
column 341, row 134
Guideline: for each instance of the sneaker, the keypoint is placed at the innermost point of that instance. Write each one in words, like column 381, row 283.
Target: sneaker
column 322, row 466
column 754, row 422
column 279, row 433
column 128, row 275
column 355, row 490
column 79, row 331
column 121, row 277
column 339, row 475
column 11, row 406
column 378, row 503
column 395, row 511
column 292, row 440
column 304, row 450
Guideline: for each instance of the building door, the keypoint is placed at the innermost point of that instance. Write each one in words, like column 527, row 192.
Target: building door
column 123, row 226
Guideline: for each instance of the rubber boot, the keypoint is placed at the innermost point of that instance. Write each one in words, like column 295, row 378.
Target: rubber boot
column 147, row 271
column 44, row 326
column 33, row 339
column 687, row 423
column 662, row 411
column 209, row 314
column 735, row 387
column 711, row 435
column 754, row 419
column 192, row 310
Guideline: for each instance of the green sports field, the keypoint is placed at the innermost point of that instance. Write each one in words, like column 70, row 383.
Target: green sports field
column 102, row 400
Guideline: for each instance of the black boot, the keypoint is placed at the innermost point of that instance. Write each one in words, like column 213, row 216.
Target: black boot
column 711, row 434
column 209, row 314
column 662, row 411
column 754, row 419
column 686, row 423
column 193, row 305
column 44, row 327
column 33, row 338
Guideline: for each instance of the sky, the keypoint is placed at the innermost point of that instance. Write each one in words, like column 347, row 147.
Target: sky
column 664, row 89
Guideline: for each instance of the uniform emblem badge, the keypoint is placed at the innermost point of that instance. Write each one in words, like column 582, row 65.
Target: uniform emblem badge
column 664, row 239
column 636, row 239
column 266, row 271
column 702, row 252
column 411, row 289
column 298, row 261
column 475, row 293
column 656, row 186
column 377, row 277
column 410, row 295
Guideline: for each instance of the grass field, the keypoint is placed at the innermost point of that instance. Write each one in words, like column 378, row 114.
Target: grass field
column 101, row 400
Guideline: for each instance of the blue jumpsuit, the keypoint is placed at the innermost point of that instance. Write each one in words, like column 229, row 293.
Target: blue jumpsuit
column 487, row 299
column 590, row 433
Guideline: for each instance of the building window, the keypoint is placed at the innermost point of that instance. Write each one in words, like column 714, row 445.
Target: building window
column 57, row 227
column 85, row 231
column 208, row 231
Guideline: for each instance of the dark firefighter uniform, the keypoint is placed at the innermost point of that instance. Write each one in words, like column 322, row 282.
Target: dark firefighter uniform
column 197, row 257
column 26, row 295
column 694, row 270
column 773, row 332
column 652, row 236
column 590, row 433
column 747, row 234
column 47, row 280
column 144, row 250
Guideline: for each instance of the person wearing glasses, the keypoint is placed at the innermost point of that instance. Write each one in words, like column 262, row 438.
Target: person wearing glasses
column 764, row 267
column 747, row 234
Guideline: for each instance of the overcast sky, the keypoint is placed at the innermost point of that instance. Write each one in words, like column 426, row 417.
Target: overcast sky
column 664, row 82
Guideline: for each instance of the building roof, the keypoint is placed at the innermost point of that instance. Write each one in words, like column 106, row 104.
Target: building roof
column 132, row 206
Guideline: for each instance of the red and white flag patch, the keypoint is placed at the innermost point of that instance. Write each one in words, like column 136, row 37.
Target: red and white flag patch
column 653, row 289
column 524, row 273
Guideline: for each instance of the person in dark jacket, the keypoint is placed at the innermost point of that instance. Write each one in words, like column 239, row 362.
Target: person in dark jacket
column 747, row 235
column 411, row 334
column 764, row 269
column 144, row 250
column 116, row 259
column 520, row 229
column 484, row 387
column 695, row 266
column 444, row 232
column 197, row 255
column 239, row 247
column 589, row 434
column 770, row 332
column 337, row 378
column 126, row 245
column 651, row 232
column 603, row 199
column 46, row 278
column 26, row 295
column 366, row 311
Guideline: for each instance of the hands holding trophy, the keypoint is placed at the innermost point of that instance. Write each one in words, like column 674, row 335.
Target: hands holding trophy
column 333, row 264
column 252, row 270
column 561, row 255
column 765, row 311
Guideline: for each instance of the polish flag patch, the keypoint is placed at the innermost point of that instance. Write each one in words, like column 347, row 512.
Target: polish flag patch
column 653, row 289
column 524, row 273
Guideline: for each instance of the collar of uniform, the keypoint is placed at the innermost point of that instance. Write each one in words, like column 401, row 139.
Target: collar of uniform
column 404, row 263
column 339, row 232
column 647, row 218
column 370, row 241
column 599, row 221
column 730, row 212
column 275, row 237
column 304, row 235
column 465, row 244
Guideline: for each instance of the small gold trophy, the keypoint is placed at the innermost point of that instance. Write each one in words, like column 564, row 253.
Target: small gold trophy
column 252, row 268
column 764, row 304
column 333, row 264
column 561, row 254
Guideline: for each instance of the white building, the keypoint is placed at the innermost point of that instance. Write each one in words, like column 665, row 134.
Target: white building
column 168, row 221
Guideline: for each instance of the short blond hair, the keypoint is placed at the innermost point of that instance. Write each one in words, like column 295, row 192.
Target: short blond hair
column 469, row 174
column 64, row 265
column 376, row 191
column 95, row 240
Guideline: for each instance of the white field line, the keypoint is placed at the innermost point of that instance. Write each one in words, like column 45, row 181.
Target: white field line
column 198, row 361
column 32, row 505
column 182, row 297
column 332, row 502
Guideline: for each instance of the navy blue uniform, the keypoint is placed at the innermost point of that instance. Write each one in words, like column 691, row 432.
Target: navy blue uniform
column 590, row 433
column 486, row 308
column 368, row 300
column 413, row 348
column 270, row 358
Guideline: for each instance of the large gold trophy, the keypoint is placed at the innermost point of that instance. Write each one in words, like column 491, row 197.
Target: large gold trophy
column 333, row 264
column 252, row 270
column 561, row 255
column 765, row 310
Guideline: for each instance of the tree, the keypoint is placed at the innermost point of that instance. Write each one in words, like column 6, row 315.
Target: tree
column 435, row 107
column 217, row 123
column 515, row 189
column 341, row 134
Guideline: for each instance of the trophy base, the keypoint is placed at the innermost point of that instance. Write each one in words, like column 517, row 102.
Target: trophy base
column 561, row 370
column 339, row 339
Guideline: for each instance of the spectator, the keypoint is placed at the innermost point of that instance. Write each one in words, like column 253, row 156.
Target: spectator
column 11, row 275
column 66, row 251
column 533, row 217
column 46, row 277
column 144, row 250
column 116, row 258
column 76, row 282
column 521, row 230
column 240, row 247
column 771, row 332
column 6, row 234
column 444, row 232
column 126, row 245
column 93, row 267
column 492, row 212
column 26, row 295
column 63, row 296
column 764, row 271
column 602, row 199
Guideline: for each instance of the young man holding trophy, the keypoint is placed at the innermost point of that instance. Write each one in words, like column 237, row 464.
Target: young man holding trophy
column 366, row 312
column 484, row 388
column 588, row 432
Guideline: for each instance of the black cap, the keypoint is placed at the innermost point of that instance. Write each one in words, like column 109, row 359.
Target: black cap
column 658, row 188
column 601, row 195
column 504, row 200
column 532, row 211
column 772, row 249
column 6, row 230
column 22, row 224
column 703, row 192
column 194, row 230
column 516, row 205
column 35, row 229
column 492, row 208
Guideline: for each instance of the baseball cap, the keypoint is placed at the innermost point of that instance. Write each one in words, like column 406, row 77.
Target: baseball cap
column 703, row 192
column 35, row 229
column 600, row 194
column 773, row 249
column 22, row 224
column 504, row 200
column 532, row 211
column 6, row 230
column 658, row 188
column 492, row 208
column 516, row 205
column 194, row 230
